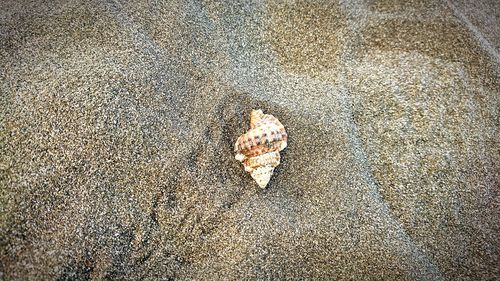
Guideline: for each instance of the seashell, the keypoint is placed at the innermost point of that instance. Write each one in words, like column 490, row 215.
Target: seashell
column 258, row 149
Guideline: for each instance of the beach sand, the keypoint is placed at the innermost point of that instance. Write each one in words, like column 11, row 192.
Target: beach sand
column 118, row 120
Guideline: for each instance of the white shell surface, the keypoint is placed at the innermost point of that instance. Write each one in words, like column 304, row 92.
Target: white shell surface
column 262, row 175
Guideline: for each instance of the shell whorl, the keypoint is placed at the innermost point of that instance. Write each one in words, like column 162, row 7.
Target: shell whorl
column 258, row 149
column 266, row 134
column 271, row 158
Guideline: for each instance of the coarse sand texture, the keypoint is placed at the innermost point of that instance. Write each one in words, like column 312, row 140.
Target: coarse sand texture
column 118, row 123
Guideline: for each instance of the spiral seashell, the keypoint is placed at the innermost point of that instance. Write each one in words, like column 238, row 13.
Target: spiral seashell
column 258, row 149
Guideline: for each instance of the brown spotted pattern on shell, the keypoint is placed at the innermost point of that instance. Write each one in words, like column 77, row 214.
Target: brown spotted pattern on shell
column 258, row 149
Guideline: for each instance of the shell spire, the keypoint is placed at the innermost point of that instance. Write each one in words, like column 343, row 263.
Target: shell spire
column 258, row 149
column 255, row 117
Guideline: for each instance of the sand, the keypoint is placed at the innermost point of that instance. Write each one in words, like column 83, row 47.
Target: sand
column 118, row 119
